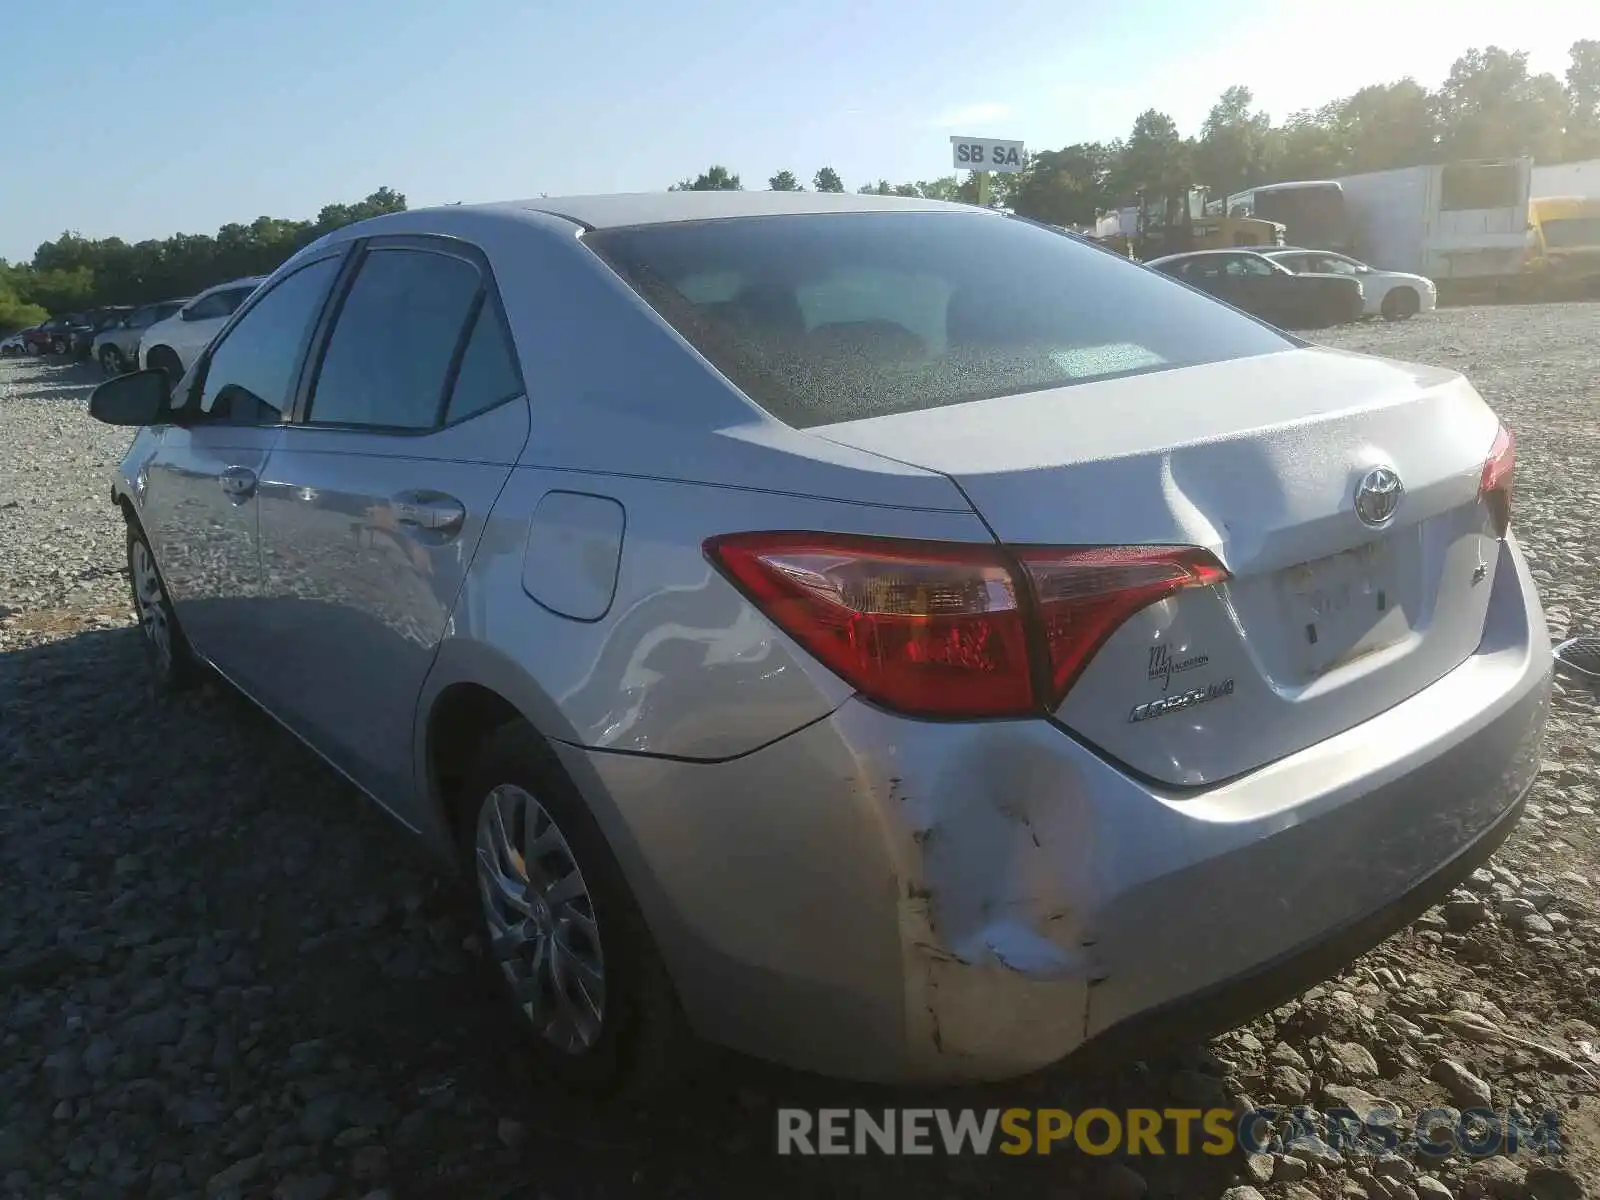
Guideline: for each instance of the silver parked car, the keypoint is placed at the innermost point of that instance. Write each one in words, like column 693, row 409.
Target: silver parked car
column 116, row 348
column 888, row 637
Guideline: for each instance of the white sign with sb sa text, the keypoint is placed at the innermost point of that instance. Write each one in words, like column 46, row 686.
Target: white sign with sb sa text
column 987, row 154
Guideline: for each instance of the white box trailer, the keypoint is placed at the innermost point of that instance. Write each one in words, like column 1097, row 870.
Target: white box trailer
column 1567, row 179
column 1448, row 221
column 1123, row 221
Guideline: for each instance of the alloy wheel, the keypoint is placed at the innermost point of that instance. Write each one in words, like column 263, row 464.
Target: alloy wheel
column 542, row 926
column 151, row 603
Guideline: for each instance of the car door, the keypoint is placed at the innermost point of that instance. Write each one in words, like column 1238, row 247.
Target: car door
column 199, row 493
column 1266, row 290
column 126, row 336
column 377, row 496
column 1209, row 273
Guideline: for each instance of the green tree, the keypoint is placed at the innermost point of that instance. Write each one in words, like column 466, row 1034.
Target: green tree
column 57, row 290
column 1232, row 151
column 946, row 187
column 784, row 181
column 827, row 180
column 1490, row 107
column 1387, row 125
column 1155, row 159
column 384, row 200
column 715, row 179
column 1583, row 102
column 1066, row 186
column 1309, row 145
column 74, row 272
column 15, row 312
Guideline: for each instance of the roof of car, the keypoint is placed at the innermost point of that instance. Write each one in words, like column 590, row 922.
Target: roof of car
column 251, row 280
column 653, row 208
column 1292, row 184
column 1209, row 253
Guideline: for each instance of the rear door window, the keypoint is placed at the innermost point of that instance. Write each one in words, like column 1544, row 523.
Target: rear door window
column 1248, row 266
column 218, row 304
column 825, row 317
column 396, row 340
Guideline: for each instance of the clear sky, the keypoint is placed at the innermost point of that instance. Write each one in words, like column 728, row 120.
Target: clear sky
column 153, row 117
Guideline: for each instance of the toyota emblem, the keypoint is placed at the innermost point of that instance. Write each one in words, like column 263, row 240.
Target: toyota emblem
column 1378, row 496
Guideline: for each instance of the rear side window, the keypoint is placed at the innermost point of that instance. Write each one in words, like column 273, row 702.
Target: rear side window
column 219, row 304
column 488, row 371
column 838, row 316
column 395, row 339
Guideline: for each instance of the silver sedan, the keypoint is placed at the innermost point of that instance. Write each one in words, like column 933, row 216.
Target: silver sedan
column 889, row 637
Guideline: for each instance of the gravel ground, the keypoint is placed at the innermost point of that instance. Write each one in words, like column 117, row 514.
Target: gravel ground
column 223, row 975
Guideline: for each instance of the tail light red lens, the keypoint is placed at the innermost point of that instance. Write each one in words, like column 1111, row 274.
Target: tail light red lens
column 1494, row 487
column 923, row 628
column 953, row 629
column 1083, row 596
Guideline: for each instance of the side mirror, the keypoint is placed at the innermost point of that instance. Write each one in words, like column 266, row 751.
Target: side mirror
column 187, row 314
column 142, row 398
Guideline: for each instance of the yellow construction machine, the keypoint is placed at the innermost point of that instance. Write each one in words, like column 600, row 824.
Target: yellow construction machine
column 1176, row 223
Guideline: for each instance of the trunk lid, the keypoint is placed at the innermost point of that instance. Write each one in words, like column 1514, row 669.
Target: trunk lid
column 1326, row 620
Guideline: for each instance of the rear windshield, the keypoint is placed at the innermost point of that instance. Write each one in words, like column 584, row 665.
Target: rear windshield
column 832, row 317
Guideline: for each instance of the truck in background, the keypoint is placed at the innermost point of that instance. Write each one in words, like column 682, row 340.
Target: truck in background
column 1314, row 211
column 1463, row 224
column 1565, row 235
column 1179, row 221
column 1566, row 180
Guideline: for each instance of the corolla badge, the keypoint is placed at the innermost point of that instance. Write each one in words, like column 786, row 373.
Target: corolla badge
column 1378, row 496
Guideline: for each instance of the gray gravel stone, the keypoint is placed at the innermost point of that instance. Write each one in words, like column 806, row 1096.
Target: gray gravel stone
column 1351, row 1062
column 1465, row 1088
column 1553, row 1183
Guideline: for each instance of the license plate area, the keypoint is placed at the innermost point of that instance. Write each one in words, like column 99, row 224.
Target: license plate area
column 1343, row 606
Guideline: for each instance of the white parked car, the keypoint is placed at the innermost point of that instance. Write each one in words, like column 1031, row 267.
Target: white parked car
column 173, row 345
column 1393, row 295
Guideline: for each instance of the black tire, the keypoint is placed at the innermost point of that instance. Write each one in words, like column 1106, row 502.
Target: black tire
column 164, row 359
column 112, row 362
column 1401, row 304
column 173, row 666
column 644, row 1043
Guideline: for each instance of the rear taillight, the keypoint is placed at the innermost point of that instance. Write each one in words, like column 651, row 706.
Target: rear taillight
column 1494, row 487
column 1083, row 596
column 953, row 629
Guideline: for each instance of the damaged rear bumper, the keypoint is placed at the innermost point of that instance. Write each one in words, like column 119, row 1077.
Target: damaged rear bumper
column 886, row 899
